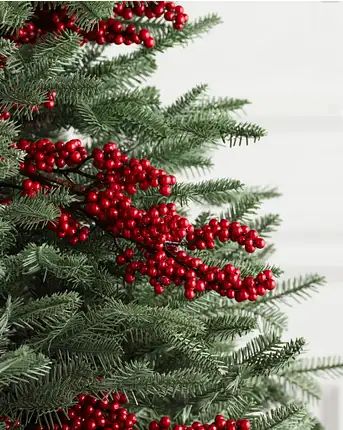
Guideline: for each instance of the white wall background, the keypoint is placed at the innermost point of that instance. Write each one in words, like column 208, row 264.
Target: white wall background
column 287, row 58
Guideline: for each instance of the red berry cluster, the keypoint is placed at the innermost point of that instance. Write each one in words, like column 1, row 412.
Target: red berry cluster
column 220, row 423
column 151, row 10
column 10, row 424
column 204, row 238
column 45, row 20
column 166, row 267
column 50, row 103
column 117, row 169
column 5, row 115
column 5, row 201
column 44, row 155
column 68, row 227
column 91, row 413
column 110, row 30
column 27, row 34
column 31, row 188
column 3, row 61
column 160, row 234
column 114, row 31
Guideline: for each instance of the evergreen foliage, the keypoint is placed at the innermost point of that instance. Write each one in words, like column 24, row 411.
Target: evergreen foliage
column 65, row 315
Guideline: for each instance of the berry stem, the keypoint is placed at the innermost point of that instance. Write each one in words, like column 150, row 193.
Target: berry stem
column 13, row 186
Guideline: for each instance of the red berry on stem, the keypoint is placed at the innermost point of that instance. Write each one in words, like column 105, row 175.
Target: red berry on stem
column 169, row 16
column 149, row 42
column 165, row 422
column 243, row 425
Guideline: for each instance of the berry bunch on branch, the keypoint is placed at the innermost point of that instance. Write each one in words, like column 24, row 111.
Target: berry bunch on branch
column 116, row 29
column 162, row 239
column 108, row 412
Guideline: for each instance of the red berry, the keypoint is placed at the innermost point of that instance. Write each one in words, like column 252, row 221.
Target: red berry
column 270, row 284
column 154, row 425
column 130, row 279
column 165, row 422
column 144, row 34
column 50, row 104
column 165, row 191
column 5, row 116
column 127, row 13
column 170, row 6
column 119, row 39
column 90, row 424
column 243, row 425
column 231, row 425
column 169, row 16
column 259, row 242
column 149, row 42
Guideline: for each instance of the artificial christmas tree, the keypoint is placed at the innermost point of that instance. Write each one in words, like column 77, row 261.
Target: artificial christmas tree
column 116, row 306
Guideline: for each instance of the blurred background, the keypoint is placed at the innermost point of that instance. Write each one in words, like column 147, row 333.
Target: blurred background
column 287, row 59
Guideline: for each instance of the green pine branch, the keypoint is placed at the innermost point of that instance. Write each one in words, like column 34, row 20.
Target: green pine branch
column 222, row 104
column 47, row 310
column 296, row 289
column 8, row 133
column 226, row 327
column 56, row 50
column 191, row 31
column 71, row 267
column 7, row 236
column 22, row 365
column 59, row 387
column 287, row 417
column 301, row 386
column 75, row 88
column 7, row 47
column 140, row 379
column 186, row 101
column 266, row 354
column 89, row 13
column 265, row 224
column 30, row 213
column 126, row 70
column 242, row 208
column 263, row 193
column 204, row 125
column 4, row 326
column 331, row 367
column 14, row 14
column 213, row 192
column 270, row 319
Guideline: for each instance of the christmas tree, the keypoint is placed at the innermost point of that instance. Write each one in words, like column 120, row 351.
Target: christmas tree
column 118, row 310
